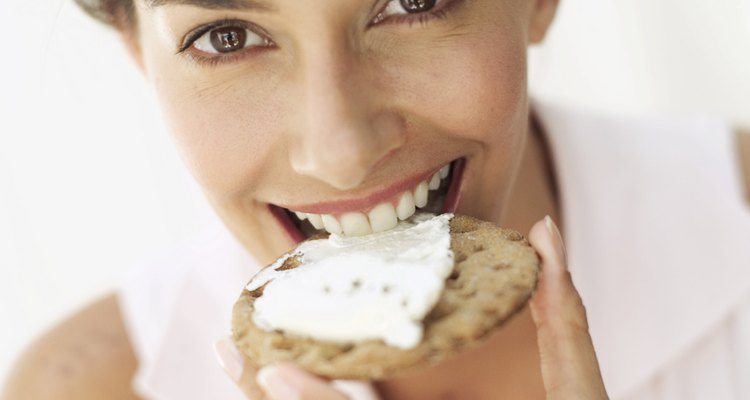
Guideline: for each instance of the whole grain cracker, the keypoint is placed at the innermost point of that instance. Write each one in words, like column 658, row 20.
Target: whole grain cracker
column 494, row 275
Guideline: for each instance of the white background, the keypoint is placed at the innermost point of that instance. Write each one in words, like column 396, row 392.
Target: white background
column 89, row 183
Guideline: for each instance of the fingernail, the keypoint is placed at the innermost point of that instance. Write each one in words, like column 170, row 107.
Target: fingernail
column 554, row 232
column 272, row 381
column 229, row 358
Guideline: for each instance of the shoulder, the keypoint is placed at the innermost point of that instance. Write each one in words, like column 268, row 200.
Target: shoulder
column 743, row 147
column 86, row 357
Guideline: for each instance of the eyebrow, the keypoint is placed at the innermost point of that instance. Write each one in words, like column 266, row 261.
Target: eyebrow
column 215, row 4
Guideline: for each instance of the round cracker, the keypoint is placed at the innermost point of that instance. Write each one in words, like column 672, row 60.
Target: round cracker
column 494, row 275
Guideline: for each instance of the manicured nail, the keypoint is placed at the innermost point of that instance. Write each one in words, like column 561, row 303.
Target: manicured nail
column 229, row 358
column 272, row 381
column 554, row 232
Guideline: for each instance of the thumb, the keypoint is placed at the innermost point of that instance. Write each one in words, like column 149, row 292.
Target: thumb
column 569, row 366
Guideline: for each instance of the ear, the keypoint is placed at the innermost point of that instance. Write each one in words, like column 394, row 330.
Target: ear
column 542, row 15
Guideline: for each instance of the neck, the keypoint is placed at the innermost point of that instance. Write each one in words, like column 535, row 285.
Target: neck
column 534, row 192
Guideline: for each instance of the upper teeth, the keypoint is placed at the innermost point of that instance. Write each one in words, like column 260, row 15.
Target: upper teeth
column 383, row 216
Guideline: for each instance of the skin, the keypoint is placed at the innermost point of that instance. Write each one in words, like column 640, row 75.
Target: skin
column 743, row 150
column 87, row 357
column 274, row 126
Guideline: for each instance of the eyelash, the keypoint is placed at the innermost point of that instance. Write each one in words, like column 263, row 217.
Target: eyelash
column 440, row 12
column 422, row 19
column 196, row 33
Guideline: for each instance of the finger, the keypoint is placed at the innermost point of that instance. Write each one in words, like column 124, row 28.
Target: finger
column 238, row 368
column 360, row 390
column 285, row 381
column 569, row 366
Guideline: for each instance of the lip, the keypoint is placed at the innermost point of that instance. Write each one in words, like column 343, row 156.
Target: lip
column 453, row 197
column 367, row 202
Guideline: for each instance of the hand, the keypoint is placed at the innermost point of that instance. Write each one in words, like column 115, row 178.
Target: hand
column 569, row 366
column 284, row 381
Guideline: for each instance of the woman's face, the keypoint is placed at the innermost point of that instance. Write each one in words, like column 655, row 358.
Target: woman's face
column 341, row 107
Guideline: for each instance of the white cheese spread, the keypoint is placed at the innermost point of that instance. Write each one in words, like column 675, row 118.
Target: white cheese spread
column 352, row 289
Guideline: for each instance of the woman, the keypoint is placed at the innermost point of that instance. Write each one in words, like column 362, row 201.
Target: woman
column 333, row 108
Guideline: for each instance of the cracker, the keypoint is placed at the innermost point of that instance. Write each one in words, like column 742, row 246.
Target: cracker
column 495, row 272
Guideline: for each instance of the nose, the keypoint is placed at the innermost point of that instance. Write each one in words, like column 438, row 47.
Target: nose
column 344, row 128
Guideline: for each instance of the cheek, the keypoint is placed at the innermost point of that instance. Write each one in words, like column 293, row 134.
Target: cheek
column 475, row 91
column 224, row 128
column 219, row 125
column 486, row 91
column 474, row 88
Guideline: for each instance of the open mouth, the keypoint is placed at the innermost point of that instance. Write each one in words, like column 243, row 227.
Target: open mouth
column 437, row 194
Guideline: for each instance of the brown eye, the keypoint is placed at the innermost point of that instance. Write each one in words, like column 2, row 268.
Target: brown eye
column 406, row 7
column 228, row 39
column 417, row 6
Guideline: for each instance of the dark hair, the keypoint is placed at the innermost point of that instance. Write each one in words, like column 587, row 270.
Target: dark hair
column 119, row 14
